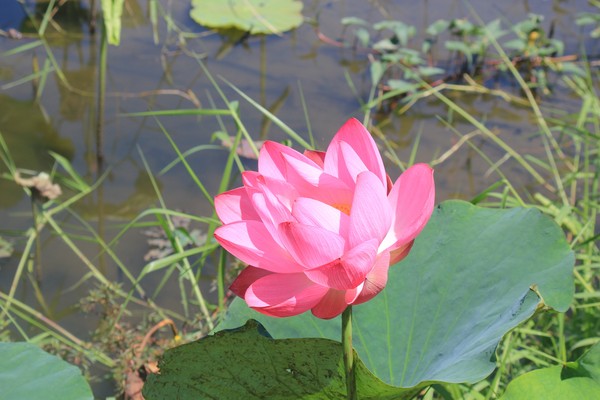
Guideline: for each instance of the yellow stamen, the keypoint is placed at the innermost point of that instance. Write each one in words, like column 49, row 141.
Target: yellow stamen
column 345, row 208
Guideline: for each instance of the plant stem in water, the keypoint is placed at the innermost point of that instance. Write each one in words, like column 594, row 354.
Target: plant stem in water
column 101, row 99
column 348, row 354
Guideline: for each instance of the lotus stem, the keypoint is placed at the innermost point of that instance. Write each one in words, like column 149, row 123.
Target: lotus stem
column 348, row 354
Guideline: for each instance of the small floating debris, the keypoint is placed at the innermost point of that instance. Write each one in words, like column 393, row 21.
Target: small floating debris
column 41, row 183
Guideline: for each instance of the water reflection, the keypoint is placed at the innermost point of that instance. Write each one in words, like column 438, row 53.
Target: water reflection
column 67, row 17
column 134, row 16
column 135, row 196
column 29, row 135
column 74, row 106
column 12, row 15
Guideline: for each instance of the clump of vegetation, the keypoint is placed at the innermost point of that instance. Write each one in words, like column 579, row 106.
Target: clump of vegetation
column 405, row 67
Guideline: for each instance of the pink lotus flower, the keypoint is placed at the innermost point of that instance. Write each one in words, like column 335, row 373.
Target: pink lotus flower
column 319, row 231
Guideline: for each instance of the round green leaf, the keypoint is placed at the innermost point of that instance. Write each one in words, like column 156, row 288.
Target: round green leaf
column 446, row 306
column 254, row 16
column 246, row 363
column 574, row 381
column 28, row 372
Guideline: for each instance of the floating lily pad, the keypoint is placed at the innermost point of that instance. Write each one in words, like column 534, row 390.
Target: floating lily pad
column 254, row 16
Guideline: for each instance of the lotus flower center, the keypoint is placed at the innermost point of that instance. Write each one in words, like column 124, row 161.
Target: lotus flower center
column 345, row 208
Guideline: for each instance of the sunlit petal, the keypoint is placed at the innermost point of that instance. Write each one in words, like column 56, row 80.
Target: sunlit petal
column 271, row 161
column 317, row 156
column 375, row 280
column 411, row 199
column 234, row 205
column 361, row 141
column 331, row 305
column 370, row 216
column 283, row 295
column 252, row 243
column 349, row 271
column 313, row 212
column 311, row 246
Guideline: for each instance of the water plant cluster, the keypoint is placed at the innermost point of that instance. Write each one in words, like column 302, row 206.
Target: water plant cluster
column 406, row 65
column 496, row 297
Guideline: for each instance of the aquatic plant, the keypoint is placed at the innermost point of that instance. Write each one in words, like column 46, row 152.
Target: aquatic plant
column 472, row 276
column 319, row 230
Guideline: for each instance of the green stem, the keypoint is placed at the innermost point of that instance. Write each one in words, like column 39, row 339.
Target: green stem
column 562, row 347
column 221, row 281
column 348, row 354
column 101, row 99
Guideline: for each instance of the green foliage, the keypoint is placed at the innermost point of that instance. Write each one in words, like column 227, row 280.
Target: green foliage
column 407, row 66
column 28, row 372
column 446, row 306
column 573, row 381
column 588, row 18
column 247, row 363
column 112, row 343
column 390, row 41
column 253, row 16
column 112, row 11
column 6, row 248
column 532, row 41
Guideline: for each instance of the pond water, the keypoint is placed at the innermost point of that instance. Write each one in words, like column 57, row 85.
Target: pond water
column 146, row 75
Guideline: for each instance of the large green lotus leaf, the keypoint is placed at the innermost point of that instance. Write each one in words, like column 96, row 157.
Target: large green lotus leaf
column 246, row 363
column 28, row 372
column 575, row 381
column 446, row 306
column 254, row 16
